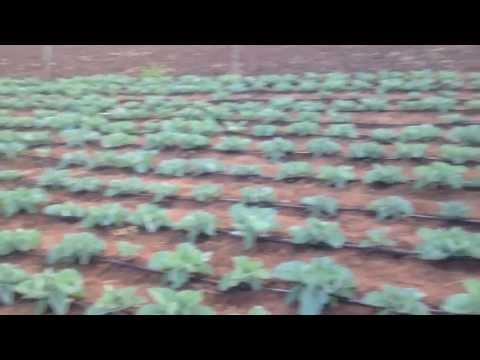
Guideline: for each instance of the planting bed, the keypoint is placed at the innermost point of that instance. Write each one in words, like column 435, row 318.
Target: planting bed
column 149, row 187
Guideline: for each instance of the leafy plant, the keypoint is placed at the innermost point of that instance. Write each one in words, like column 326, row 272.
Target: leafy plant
column 79, row 137
column 320, row 205
column 179, row 265
column 303, row 128
column 342, row 131
column 21, row 199
column 65, row 210
column 130, row 186
column 233, row 144
column 377, row 237
column 52, row 290
column 440, row 244
column 459, row 154
column 128, row 250
column 53, row 178
column 317, row 283
column 391, row 207
column 385, row 136
column 80, row 247
column 116, row 140
column 114, row 301
column 10, row 276
column 173, row 167
column 170, row 302
column 323, row 146
column 277, row 148
column 258, row 195
column 467, row 303
column 10, row 175
column 245, row 170
column 252, row 222
column 384, row 174
column 196, row 224
column 258, row 310
column 439, row 174
column 425, row 132
column 454, row 210
column 318, row 232
column 264, row 130
column 468, row 135
column 149, row 217
column 337, row 176
column 368, row 150
column 247, row 271
column 295, row 169
column 112, row 214
column 395, row 300
column 206, row 166
column 162, row 191
column 410, row 151
column 208, row 192
column 83, row 184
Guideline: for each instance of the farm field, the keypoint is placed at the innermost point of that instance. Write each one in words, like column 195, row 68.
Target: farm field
column 332, row 193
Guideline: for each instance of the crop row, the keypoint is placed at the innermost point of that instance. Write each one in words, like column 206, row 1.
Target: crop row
column 317, row 206
column 315, row 285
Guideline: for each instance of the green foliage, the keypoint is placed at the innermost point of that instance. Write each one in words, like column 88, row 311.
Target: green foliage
column 161, row 191
column 114, row 301
column 129, row 186
column 128, row 250
column 79, row 137
column 67, row 209
column 10, row 276
column 233, row 144
column 316, row 283
column 385, row 136
column 116, row 140
column 205, row 166
column 77, row 158
column 53, row 178
column 459, row 154
column 454, row 118
column 111, row 214
column 348, row 131
column 439, row 174
column 258, row 310
column 320, row 205
column 337, row 176
column 179, row 265
column 317, row 232
column 18, row 240
column 454, row 210
column 323, row 146
column 377, row 237
column 139, row 161
column 252, row 222
column 440, row 244
column 425, row 132
column 21, row 199
column 247, row 271
column 384, row 174
column 173, row 167
column 149, row 217
column 295, row 169
column 197, row 223
column 83, row 184
column 277, row 148
column 12, row 149
column 258, row 195
column 170, row 302
column 52, row 290
column 410, row 151
column 10, row 175
column 395, row 300
column 245, row 170
column 391, row 207
column 468, row 135
column 303, row 128
column 467, row 303
column 367, row 150
column 374, row 103
column 80, row 247
column 208, row 192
